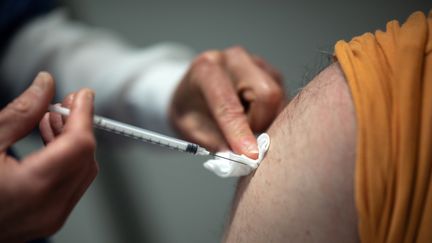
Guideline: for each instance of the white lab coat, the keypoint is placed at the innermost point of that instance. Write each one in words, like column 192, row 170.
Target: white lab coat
column 131, row 84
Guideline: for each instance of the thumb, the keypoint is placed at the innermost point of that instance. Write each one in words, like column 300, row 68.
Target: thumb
column 20, row 116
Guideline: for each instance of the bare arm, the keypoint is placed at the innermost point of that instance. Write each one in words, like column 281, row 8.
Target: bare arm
column 303, row 191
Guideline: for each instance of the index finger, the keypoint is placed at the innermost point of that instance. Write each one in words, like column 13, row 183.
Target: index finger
column 81, row 112
column 225, row 106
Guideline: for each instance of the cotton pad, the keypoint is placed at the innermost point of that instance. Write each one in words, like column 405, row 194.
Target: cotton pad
column 227, row 168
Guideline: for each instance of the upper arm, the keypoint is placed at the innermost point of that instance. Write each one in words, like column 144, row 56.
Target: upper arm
column 303, row 190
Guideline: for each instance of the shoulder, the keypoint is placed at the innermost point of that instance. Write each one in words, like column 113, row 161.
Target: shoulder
column 303, row 190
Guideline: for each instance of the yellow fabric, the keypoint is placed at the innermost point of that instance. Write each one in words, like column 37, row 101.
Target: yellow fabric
column 390, row 77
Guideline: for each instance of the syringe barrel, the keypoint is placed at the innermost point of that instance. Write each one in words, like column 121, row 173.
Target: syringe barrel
column 143, row 134
column 138, row 133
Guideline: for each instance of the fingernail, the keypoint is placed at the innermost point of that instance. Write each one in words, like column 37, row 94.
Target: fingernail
column 40, row 82
column 89, row 94
column 250, row 145
column 70, row 98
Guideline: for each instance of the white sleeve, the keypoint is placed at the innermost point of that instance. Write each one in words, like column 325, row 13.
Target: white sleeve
column 131, row 84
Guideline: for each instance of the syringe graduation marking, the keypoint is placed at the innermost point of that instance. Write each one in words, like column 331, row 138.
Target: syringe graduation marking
column 99, row 124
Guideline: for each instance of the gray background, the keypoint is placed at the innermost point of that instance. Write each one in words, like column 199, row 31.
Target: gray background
column 143, row 194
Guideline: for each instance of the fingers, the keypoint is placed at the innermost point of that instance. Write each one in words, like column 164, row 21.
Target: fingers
column 81, row 116
column 45, row 129
column 51, row 126
column 238, row 93
column 56, row 118
column 57, row 121
column 275, row 74
column 23, row 114
column 224, row 104
column 74, row 149
column 257, row 86
column 52, row 123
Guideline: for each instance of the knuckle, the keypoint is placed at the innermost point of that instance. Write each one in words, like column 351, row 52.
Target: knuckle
column 68, row 100
column 204, row 65
column 276, row 96
column 86, row 143
column 19, row 106
column 208, row 58
column 237, row 49
column 270, row 95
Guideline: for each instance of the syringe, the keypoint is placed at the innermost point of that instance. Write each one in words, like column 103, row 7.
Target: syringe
column 142, row 134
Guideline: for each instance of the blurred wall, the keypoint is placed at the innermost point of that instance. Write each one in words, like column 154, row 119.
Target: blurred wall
column 143, row 194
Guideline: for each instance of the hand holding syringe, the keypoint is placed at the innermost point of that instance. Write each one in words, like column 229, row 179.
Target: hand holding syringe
column 142, row 134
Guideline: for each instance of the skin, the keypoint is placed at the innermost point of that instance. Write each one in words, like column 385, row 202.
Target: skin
column 303, row 190
column 226, row 97
column 38, row 192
